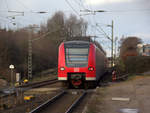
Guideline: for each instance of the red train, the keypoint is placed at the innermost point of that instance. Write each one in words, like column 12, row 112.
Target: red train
column 80, row 63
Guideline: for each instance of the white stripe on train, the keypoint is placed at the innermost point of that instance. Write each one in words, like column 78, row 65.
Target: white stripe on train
column 87, row 78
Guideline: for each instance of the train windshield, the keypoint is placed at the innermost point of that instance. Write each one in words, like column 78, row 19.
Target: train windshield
column 77, row 57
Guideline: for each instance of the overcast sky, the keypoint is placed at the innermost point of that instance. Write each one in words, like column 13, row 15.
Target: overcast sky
column 131, row 17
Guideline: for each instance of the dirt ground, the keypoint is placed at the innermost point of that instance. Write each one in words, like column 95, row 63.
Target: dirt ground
column 136, row 89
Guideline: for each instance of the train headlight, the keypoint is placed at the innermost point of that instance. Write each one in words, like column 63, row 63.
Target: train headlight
column 62, row 68
column 90, row 68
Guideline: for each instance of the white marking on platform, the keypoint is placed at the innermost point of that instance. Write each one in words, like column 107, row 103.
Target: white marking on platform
column 120, row 99
column 126, row 110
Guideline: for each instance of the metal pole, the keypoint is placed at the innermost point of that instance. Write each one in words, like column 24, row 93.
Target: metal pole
column 30, row 56
column 11, row 76
column 112, row 44
column 115, row 50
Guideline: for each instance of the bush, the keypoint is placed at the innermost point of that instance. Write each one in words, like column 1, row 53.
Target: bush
column 137, row 64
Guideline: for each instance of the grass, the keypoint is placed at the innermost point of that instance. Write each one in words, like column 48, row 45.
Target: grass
column 133, row 77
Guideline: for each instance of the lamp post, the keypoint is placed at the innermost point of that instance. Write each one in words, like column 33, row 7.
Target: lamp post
column 11, row 67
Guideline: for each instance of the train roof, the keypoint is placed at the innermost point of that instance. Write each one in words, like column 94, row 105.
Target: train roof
column 82, row 44
column 76, row 42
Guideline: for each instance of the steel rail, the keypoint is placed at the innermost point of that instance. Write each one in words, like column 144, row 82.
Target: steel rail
column 47, row 103
column 30, row 84
column 72, row 107
column 44, row 83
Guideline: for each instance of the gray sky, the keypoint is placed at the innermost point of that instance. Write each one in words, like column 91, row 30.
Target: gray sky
column 131, row 17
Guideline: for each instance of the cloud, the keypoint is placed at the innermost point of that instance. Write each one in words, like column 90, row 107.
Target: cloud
column 99, row 2
column 144, row 36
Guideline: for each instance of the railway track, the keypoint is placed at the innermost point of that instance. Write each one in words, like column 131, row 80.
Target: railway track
column 64, row 102
column 39, row 84
column 26, row 87
column 13, row 92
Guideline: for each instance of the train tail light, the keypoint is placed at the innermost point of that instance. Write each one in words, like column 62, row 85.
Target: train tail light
column 90, row 68
column 62, row 68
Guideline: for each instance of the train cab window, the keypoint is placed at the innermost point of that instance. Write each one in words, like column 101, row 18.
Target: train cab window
column 77, row 57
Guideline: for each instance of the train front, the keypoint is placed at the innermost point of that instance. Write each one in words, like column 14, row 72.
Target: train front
column 76, row 63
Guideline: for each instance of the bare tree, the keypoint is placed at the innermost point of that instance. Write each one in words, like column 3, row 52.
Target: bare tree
column 75, row 27
column 14, row 44
column 129, row 47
